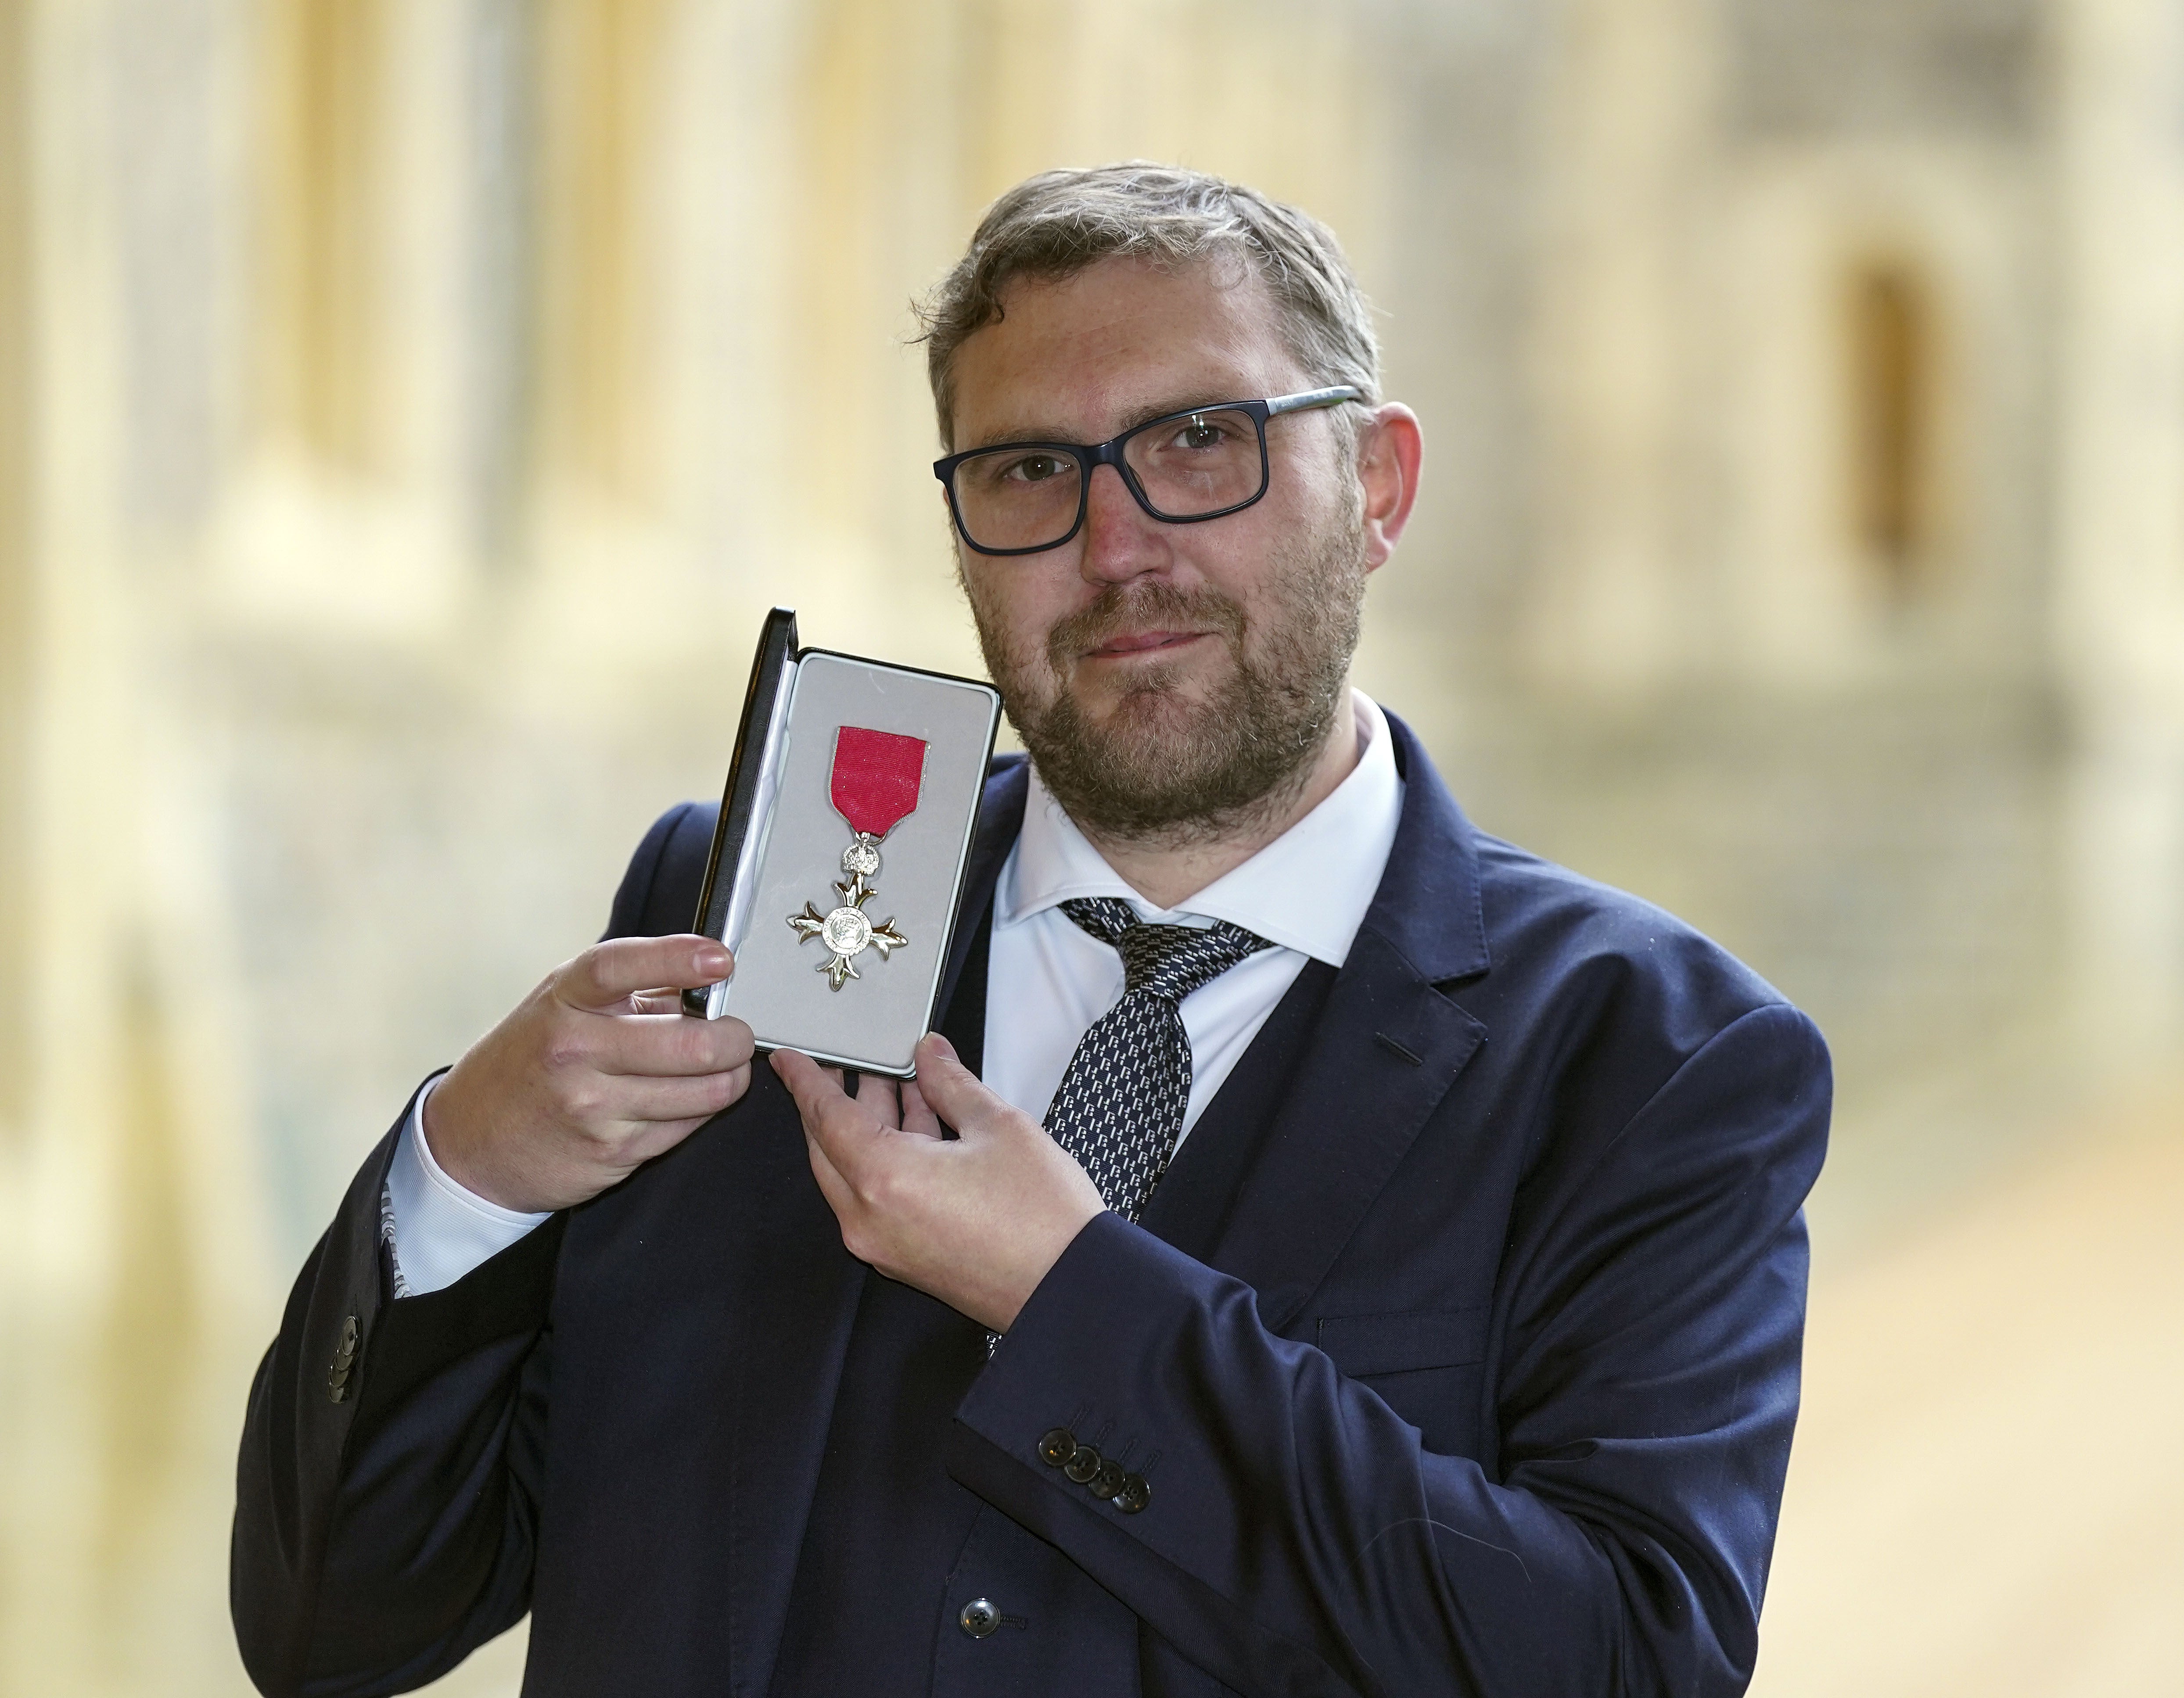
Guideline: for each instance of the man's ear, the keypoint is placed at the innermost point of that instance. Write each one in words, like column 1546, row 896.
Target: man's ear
column 1391, row 448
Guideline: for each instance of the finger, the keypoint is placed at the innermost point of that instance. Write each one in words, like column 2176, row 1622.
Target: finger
column 917, row 1115
column 830, row 1119
column 840, row 1198
column 699, row 1097
column 835, row 1127
column 666, row 1045
column 875, row 1094
column 608, row 974
column 952, row 1090
column 818, row 1089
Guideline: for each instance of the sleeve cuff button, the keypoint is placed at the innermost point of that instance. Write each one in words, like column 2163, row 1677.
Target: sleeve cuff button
column 1080, row 1467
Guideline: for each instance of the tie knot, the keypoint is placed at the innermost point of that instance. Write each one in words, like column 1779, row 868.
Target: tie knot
column 1167, row 961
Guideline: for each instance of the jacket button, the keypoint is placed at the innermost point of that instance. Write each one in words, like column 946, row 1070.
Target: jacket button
column 1059, row 1446
column 1082, row 1466
column 980, row 1617
column 1109, row 1480
column 1134, row 1495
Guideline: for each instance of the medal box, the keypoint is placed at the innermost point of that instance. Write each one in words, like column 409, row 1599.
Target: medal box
column 843, row 840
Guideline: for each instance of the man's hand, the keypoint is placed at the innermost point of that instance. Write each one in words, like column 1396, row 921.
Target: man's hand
column 597, row 1071
column 976, row 1222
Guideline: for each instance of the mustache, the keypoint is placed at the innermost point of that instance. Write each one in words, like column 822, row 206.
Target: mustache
column 1119, row 607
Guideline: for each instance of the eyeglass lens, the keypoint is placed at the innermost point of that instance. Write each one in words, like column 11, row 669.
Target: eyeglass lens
column 1020, row 497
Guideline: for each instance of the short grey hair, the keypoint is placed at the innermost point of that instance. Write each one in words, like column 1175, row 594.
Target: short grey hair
column 1054, row 224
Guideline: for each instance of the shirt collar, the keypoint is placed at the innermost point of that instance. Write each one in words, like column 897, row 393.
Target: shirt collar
column 1308, row 890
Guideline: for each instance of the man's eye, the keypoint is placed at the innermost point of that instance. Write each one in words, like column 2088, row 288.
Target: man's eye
column 1033, row 468
column 1201, row 434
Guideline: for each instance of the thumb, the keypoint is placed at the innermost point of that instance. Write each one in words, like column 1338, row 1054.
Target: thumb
column 951, row 1089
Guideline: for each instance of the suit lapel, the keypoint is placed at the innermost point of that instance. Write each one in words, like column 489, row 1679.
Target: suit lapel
column 1385, row 1051
column 789, row 1344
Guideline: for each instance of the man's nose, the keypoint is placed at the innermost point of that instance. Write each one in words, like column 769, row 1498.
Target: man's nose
column 1122, row 540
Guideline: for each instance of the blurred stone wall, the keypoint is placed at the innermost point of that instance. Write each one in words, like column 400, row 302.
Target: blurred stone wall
column 408, row 406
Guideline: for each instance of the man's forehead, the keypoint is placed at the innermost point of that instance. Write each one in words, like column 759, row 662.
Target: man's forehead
column 1120, row 341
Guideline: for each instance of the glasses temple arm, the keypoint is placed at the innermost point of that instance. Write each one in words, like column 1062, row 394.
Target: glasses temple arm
column 1307, row 399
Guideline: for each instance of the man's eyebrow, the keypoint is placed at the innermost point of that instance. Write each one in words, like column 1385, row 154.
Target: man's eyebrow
column 1144, row 415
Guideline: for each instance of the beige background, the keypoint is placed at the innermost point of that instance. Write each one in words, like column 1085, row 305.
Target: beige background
column 408, row 407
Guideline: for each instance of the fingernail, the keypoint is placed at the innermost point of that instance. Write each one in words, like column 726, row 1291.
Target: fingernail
column 947, row 1049
column 716, row 961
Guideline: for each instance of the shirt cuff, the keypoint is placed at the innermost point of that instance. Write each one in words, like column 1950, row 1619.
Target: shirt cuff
column 441, row 1229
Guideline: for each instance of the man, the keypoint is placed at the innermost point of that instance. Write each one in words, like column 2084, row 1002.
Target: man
column 1403, row 1295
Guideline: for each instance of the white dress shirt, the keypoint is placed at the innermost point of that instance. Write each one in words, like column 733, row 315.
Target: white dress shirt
column 1306, row 892
column 1048, row 980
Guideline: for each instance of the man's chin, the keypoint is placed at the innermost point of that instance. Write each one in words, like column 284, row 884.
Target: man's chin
column 1148, row 706
column 1150, row 763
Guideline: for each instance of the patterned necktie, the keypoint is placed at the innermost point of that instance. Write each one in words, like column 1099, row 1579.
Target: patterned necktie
column 1119, row 1107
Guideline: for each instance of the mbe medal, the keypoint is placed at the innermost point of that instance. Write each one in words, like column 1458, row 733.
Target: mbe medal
column 874, row 787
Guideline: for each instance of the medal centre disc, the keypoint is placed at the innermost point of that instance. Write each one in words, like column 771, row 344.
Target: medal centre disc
column 846, row 930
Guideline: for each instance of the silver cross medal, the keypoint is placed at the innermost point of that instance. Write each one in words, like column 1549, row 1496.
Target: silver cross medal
column 848, row 931
column 875, row 783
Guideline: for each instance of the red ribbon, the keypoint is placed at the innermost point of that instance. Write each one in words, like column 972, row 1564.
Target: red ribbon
column 877, row 775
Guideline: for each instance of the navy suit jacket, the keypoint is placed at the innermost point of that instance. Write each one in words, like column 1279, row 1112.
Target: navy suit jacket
column 1472, row 1370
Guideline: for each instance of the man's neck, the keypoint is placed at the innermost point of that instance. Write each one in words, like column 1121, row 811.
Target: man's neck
column 1169, row 874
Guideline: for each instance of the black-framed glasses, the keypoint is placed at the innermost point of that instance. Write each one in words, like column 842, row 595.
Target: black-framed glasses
column 1201, row 463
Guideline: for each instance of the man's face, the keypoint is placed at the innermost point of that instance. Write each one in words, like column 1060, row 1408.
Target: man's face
column 1166, row 678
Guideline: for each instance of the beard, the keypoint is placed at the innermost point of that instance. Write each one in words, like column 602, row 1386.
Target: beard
column 1162, row 768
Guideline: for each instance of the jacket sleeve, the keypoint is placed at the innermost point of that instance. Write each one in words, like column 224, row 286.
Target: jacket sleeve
column 1299, row 1539
column 388, row 1484
column 390, row 1480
